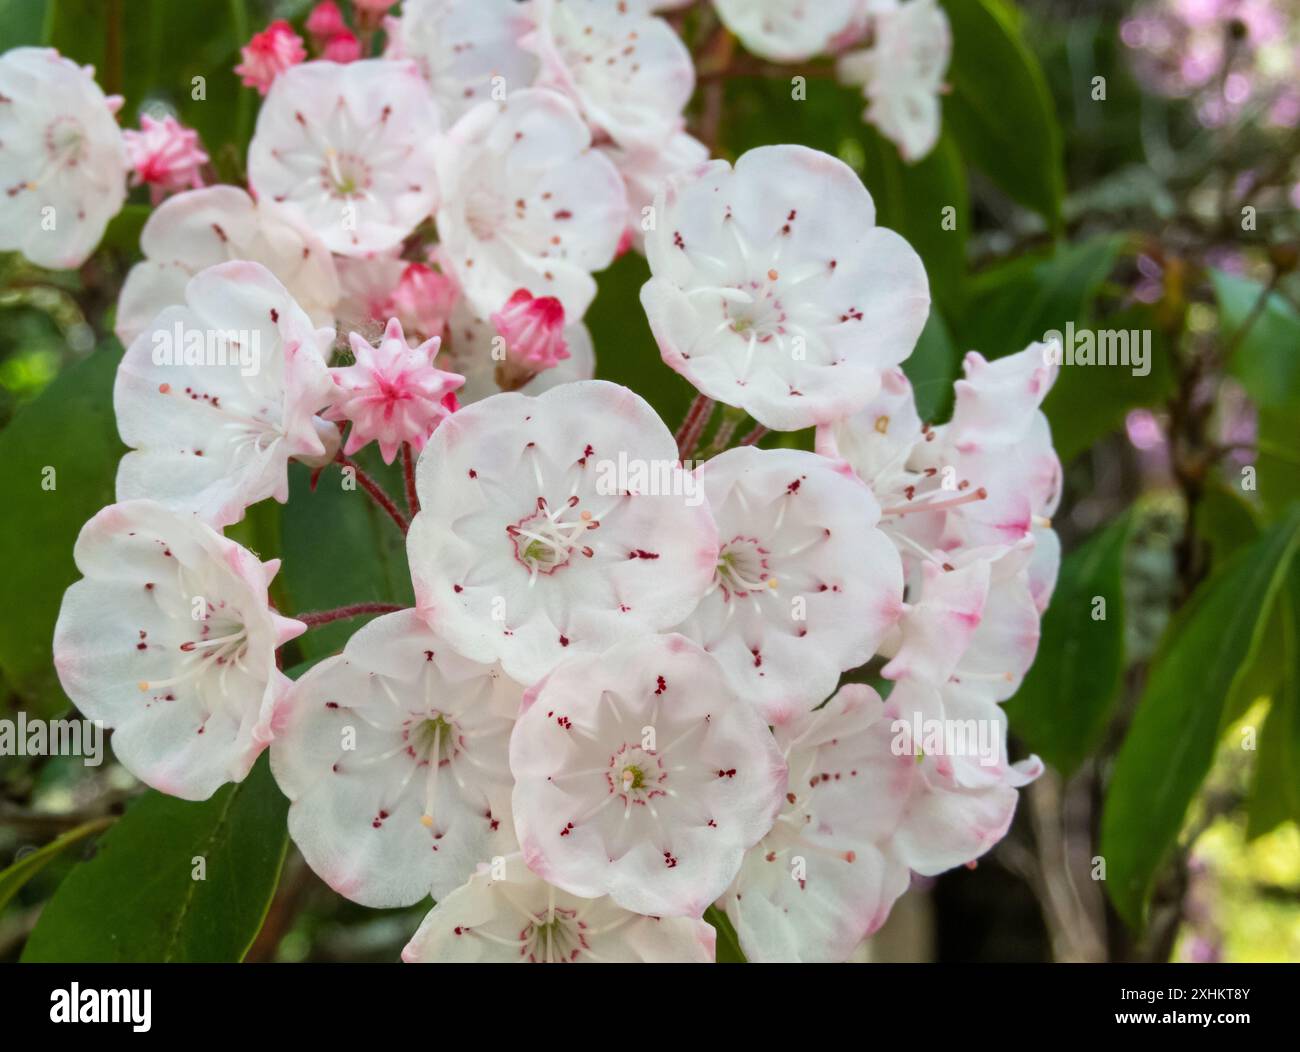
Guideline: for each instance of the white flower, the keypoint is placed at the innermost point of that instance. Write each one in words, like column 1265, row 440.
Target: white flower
column 773, row 290
column 902, row 74
column 469, row 350
column 805, row 587
column 627, row 71
column 63, row 163
column 518, row 918
column 200, row 228
column 788, row 30
column 863, row 809
column 466, row 49
column 640, row 774
column 217, row 395
column 527, row 203
column 169, row 640
column 981, row 483
column 348, row 150
column 394, row 755
column 556, row 525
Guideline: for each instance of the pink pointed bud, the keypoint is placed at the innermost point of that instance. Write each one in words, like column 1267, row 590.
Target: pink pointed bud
column 325, row 22
column 165, row 154
column 424, row 298
column 533, row 328
column 393, row 394
column 269, row 54
column 342, row 47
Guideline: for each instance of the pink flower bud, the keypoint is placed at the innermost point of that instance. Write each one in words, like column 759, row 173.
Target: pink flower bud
column 269, row 54
column 342, row 47
column 533, row 328
column 165, row 154
column 423, row 299
column 325, row 22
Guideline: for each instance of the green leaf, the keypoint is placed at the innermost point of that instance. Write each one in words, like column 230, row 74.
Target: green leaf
column 1171, row 742
column 910, row 200
column 1267, row 358
column 1000, row 111
column 728, row 945
column 345, row 549
column 69, row 428
column 1063, row 706
column 138, row 900
column 1277, row 467
column 626, row 352
column 1275, row 785
column 932, row 368
column 22, row 22
column 13, row 878
column 1088, row 402
column 1014, row 304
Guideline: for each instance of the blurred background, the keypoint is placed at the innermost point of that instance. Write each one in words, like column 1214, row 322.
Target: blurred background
column 1118, row 165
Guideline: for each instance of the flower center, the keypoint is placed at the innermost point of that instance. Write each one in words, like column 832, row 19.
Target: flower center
column 742, row 567
column 636, row 774
column 346, row 174
column 433, row 739
column 546, row 540
column 554, row 937
column 65, row 141
column 221, row 646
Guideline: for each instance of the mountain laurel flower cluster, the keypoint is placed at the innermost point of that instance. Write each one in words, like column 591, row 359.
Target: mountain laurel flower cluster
column 644, row 680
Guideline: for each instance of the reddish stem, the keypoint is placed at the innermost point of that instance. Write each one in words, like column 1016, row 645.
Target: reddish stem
column 408, row 473
column 754, row 436
column 342, row 613
column 697, row 417
column 375, row 490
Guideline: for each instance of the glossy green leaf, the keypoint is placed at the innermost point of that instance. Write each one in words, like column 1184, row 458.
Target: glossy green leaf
column 1275, row 784
column 728, row 945
column 345, row 550
column 1012, row 305
column 1063, row 706
column 1266, row 357
column 999, row 110
column 138, row 899
column 1171, row 742
column 66, row 439
column 1088, row 402
column 932, row 368
column 15, row 876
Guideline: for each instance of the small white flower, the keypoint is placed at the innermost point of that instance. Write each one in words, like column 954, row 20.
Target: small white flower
column 627, row 71
column 554, row 525
column 394, row 755
column 218, row 394
column 805, row 587
column 468, row 50
column 201, row 228
column 788, row 30
column 862, row 811
column 63, row 163
column 348, row 150
column 519, row 918
column 474, row 349
column 773, row 290
column 527, row 203
column 640, row 774
column 170, row 641
column 902, row 74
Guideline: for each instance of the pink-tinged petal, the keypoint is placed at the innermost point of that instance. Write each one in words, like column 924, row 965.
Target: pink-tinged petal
column 169, row 640
column 772, row 289
column 394, row 757
column 557, row 525
column 481, row 922
column 640, row 774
